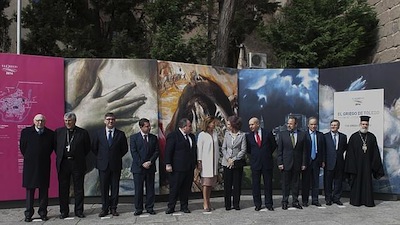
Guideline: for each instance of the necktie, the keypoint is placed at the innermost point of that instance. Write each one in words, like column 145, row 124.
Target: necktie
column 313, row 147
column 292, row 139
column 146, row 142
column 109, row 138
column 40, row 131
column 258, row 139
column 334, row 141
column 187, row 139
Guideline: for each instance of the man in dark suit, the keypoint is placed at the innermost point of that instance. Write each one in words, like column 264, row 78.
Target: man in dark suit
column 109, row 145
column 310, row 176
column 145, row 151
column 292, row 158
column 260, row 145
column 36, row 145
column 72, row 145
column 336, row 146
column 180, row 162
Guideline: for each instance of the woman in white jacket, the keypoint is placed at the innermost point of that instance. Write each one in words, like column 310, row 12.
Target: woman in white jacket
column 208, row 156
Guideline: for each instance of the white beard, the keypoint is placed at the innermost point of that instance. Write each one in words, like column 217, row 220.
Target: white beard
column 364, row 131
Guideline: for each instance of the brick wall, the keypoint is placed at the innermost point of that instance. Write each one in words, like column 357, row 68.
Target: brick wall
column 388, row 47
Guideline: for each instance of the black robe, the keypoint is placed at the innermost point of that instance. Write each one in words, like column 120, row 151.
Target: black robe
column 359, row 166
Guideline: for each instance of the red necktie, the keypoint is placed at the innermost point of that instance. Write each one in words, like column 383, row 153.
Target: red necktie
column 258, row 139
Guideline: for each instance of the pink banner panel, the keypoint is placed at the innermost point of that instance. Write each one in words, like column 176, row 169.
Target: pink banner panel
column 28, row 85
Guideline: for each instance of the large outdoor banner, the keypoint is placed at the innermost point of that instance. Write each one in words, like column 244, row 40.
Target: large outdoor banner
column 349, row 106
column 194, row 92
column 368, row 77
column 274, row 94
column 28, row 85
column 126, row 87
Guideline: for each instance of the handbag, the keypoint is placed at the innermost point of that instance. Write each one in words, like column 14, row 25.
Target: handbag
column 239, row 163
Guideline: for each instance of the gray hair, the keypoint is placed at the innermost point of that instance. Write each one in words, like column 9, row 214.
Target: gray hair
column 70, row 115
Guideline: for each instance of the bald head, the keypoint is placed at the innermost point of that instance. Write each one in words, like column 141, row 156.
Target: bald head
column 40, row 121
column 254, row 124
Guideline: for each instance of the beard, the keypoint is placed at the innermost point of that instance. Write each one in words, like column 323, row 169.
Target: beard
column 364, row 131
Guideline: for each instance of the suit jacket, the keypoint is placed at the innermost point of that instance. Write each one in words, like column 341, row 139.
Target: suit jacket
column 109, row 156
column 261, row 157
column 238, row 147
column 334, row 158
column 140, row 154
column 179, row 154
column 293, row 158
column 320, row 156
column 36, row 150
column 80, row 146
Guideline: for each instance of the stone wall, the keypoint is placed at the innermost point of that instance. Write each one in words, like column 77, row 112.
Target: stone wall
column 388, row 47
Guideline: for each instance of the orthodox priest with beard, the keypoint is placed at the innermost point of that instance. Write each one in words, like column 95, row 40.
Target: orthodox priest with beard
column 363, row 160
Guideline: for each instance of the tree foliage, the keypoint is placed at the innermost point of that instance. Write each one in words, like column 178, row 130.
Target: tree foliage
column 5, row 22
column 174, row 30
column 323, row 33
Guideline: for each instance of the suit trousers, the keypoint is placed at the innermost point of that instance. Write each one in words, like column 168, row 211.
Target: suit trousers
column 180, row 184
column 290, row 181
column 232, row 186
column 109, row 179
column 43, row 201
column 310, row 180
column 335, row 178
column 256, row 186
column 68, row 169
column 140, row 179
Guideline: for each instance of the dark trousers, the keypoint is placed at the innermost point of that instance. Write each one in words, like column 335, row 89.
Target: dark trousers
column 232, row 186
column 310, row 181
column 256, row 185
column 43, row 201
column 290, row 181
column 180, row 184
column 68, row 169
column 140, row 179
column 335, row 178
column 109, row 179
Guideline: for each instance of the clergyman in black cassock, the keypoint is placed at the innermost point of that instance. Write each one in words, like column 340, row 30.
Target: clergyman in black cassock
column 363, row 159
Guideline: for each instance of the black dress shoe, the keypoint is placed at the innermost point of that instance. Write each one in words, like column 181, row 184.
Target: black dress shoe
column 297, row 205
column 80, row 215
column 103, row 213
column 28, row 219
column 305, row 204
column 63, row 215
column 316, row 204
column 228, row 208
column 284, row 206
column 151, row 212
column 270, row 208
column 237, row 208
column 328, row 203
column 44, row 218
column 258, row 208
column 137, row 213
column 114, row 212
column 169, row 211
column 338, row 202
column 186, row 210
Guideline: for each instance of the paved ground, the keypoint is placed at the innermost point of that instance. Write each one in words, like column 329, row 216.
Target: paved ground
column 386, row 212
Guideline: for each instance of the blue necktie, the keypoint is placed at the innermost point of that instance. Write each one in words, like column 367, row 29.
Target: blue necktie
column 109, row 139
column 313, row 147
column 334, row 141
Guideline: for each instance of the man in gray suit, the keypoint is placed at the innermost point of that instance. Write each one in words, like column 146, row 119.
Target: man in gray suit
column 292, row 158
column 336, row 145
column 109, row 145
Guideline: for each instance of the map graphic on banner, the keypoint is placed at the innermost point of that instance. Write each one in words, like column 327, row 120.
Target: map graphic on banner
column 350, row 105
column 26, row 82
